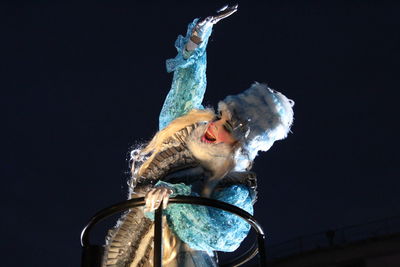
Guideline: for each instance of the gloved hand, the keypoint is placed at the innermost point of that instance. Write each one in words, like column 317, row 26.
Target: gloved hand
column 203, row 28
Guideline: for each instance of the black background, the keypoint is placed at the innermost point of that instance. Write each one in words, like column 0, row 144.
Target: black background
column 81, row 84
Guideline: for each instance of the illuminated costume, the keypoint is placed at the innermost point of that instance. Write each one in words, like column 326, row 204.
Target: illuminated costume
column 179, row 159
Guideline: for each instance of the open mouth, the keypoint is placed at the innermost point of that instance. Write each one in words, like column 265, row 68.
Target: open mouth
column 208, row 137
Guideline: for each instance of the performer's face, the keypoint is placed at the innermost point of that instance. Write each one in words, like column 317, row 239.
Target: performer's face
column 219, row 131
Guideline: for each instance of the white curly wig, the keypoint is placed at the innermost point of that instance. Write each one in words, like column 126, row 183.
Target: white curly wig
column 259, row 116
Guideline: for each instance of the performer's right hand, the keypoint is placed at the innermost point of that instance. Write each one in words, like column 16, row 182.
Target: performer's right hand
column 155, row 196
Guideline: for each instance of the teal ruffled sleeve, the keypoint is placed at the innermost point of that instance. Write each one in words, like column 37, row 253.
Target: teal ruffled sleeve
column 209, row 229
column 189, row 81
column 202, row 228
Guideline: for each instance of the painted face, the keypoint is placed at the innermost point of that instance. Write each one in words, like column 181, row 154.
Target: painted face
column 219, row 131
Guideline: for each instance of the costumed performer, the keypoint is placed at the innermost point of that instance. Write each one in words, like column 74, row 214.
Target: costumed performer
column 197, row 152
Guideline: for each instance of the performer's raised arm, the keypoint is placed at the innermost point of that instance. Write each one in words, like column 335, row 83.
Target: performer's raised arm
column 189, row 67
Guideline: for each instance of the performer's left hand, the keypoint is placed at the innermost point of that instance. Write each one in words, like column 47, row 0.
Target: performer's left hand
column 155, row 196
column 205, row 25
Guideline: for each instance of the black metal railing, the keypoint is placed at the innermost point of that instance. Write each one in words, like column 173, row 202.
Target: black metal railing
column 92, row 254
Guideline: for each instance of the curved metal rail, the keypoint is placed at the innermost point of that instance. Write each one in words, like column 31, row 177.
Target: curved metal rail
column 91, row 256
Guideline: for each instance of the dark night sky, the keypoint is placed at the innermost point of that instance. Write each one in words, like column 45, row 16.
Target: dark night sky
column 82, row 83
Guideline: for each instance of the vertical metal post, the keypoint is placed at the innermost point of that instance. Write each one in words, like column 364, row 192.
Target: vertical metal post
column 158, row 237
column 261, row 251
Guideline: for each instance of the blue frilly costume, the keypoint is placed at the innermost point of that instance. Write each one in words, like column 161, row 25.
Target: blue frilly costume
column 200, row 227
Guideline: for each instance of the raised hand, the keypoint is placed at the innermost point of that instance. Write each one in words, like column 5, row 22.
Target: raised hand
column 202, row 27
column 222, row 13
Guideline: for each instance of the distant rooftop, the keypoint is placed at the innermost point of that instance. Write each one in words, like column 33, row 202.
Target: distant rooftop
column 335, row 237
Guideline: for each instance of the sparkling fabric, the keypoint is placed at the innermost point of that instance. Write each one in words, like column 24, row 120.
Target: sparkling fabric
column 189, row 81
column 208, row 229
column 201, row 228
